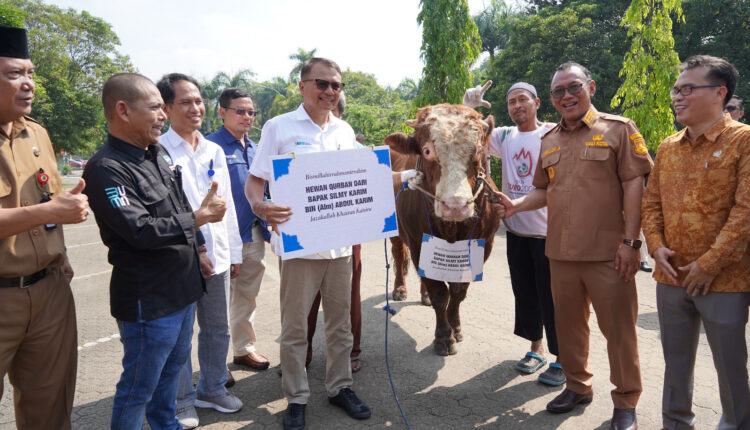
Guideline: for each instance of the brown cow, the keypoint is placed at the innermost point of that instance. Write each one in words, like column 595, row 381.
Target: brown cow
column 449, row 146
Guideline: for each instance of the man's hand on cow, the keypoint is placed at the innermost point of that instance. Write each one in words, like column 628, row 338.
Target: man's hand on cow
column 507, row 207
column 661, row 257
column 697, row 281
column 413, row 178
column 474, row 97
column 627, row 261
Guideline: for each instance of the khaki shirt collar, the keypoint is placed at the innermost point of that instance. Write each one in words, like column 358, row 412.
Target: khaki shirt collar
column 19, row 125
column 588, row 120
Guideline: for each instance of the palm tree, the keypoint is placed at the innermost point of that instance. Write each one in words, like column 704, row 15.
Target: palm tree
column 300, row 56
column 212, row 90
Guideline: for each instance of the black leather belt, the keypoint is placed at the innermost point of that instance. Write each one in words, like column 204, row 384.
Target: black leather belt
column 24, row 281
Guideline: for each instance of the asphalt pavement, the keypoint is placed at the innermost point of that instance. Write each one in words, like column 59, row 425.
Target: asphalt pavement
column 476, row 388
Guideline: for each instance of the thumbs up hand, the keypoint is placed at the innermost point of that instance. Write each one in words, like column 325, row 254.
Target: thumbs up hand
column 212, row 208
column 70, row 207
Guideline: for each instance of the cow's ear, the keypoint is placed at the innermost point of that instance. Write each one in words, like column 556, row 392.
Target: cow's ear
column 402, row 143
column 490, row 121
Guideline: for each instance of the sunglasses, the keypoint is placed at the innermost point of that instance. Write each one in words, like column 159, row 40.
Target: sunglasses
column 242, row 112
column 322, row 84
column 573, row 89
column 730, row 108
column 686, row 90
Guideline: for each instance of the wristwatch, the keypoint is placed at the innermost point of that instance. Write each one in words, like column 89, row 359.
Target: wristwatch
column 633, row 243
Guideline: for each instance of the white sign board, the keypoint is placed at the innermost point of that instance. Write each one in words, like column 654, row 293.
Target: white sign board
column 451, row 262
column 338, row 199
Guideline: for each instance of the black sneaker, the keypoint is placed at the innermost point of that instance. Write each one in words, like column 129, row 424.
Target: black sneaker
column 645, row 267
column 230, row 379
column 294, row 417
column 348, row 401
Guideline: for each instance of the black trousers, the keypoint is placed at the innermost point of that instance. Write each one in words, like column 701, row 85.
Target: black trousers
column 529, row 276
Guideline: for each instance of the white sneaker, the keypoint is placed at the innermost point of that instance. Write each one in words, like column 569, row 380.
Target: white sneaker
column 227, row 403
column 187, row 417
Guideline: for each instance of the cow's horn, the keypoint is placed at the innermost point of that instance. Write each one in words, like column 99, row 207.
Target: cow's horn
column 411, row 123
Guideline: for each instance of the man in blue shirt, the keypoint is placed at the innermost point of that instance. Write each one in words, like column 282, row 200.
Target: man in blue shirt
column 238, row 113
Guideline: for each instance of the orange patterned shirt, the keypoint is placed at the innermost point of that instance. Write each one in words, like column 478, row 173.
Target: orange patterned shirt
column 697, row 203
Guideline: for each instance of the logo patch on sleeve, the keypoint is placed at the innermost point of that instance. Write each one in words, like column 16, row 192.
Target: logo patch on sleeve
column 639, row 144
column 117, row 197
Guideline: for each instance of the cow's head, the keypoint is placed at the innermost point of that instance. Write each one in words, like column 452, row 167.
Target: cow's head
column 452, row 140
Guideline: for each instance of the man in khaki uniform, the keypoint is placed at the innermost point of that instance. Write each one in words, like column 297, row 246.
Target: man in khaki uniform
column 38, row 344
column 590, row 176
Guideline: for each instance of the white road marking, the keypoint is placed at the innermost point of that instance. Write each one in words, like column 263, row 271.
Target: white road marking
column 98, row 341
column 92, row 275
column 79, row 227
column 98, row 242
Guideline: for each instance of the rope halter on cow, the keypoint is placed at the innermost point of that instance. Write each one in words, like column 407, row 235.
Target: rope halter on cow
column 479, row 186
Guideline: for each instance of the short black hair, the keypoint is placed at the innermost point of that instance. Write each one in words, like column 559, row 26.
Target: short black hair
column 229, row 94
column 166, row 85
column 341, row 104
column 569, row 65
column 308, row 65
column 127, row 87
column 737, row 102
column 720, row 72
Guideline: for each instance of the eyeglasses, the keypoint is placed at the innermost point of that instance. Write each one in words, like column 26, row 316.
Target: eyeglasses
column 686, row 90
column 242, row 112
column 572, row 89
column 730, row 108
column 322, row 84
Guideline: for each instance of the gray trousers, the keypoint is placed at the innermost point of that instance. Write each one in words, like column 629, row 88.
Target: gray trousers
column 213, row 344
column 724, row 317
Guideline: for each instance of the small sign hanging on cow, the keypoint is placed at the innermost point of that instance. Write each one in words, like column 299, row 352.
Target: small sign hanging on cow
column 451, row 262
column 338, row 199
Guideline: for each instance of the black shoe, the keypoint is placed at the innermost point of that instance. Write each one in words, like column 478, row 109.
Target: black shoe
column 294, row 417
column 230, row 379
column 624, row 419
column 348, row 401
column 645, row 267
column 567, row 400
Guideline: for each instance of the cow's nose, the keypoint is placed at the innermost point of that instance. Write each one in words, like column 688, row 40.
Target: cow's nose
column 456, row 209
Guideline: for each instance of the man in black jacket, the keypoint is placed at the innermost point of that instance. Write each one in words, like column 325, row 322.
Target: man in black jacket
column 155, row 249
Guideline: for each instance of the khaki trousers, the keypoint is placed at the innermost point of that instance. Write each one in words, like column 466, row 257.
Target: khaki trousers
column 38, row 351
column 244, row 291
column 301, row 280
column 576, row 286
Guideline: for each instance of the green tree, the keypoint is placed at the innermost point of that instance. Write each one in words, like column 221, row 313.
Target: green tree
column 584, row 31
column 407, row 89
column 212, row 90
column 300, row 57
column 493, row 24
column 11, row 16
column 720, row 28
column 73, row 53
column 649, row 68
column 450, row 44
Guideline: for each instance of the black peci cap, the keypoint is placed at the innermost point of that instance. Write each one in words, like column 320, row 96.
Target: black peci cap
column 13, row 42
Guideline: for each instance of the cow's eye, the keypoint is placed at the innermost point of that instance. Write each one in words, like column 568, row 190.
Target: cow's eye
column 426, row 151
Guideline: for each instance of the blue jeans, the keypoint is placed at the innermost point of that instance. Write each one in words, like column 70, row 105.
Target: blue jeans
column 155, row 351
column 213, row 344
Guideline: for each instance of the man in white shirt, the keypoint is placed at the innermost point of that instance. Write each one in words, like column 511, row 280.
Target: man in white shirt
column 310, row 128
column 518, row 147
column 202, row 163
